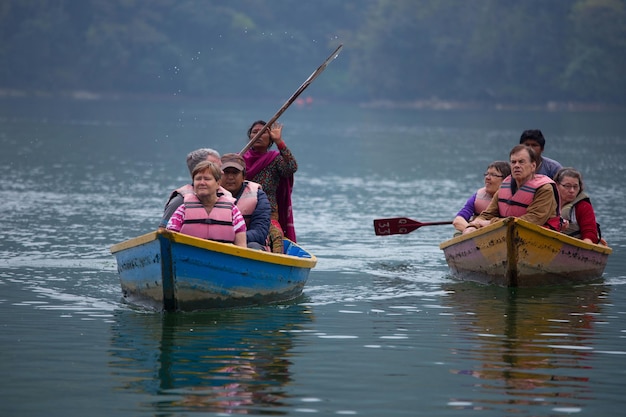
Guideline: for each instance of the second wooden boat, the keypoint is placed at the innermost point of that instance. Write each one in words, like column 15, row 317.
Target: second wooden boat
column 516, row 253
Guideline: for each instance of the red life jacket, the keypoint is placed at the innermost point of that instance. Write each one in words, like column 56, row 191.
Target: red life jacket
column 216, row 225
column 483, row 198
column 516, row 205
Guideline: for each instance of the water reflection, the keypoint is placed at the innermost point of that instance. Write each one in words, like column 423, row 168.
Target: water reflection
column 230, row 361
column 533, row 346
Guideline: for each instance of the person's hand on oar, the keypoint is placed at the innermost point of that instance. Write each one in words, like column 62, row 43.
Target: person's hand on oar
column 400, row 225
column 476, row 224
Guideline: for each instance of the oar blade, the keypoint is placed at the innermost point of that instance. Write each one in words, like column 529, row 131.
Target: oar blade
column 400, row 225
column 293, row 97
column 395, row 226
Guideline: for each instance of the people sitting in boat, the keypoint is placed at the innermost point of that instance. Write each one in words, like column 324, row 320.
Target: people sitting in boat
column 249, row 198
column 576, row 209
column 208, row 213
column 274, row 171
column 524, row 194
column 496, row 172
column 534, row 138
column 177, row 196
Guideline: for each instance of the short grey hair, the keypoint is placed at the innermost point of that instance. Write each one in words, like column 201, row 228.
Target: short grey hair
column 199, row 155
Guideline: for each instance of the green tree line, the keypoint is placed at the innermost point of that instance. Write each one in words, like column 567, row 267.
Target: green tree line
column 508, row 51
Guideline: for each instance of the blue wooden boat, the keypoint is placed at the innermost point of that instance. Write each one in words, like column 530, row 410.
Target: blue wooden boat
column 165, row 270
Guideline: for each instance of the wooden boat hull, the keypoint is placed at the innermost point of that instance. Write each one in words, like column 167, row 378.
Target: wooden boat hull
column 170, row 271
column 516, row 253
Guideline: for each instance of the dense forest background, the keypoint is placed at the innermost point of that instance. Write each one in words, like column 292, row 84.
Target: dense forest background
column 511, row 52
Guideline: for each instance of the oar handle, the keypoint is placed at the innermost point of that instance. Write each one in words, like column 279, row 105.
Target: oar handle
column 435, row 223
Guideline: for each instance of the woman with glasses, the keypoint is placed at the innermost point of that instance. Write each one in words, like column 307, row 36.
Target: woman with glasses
column 496, row 172
column 576, row 209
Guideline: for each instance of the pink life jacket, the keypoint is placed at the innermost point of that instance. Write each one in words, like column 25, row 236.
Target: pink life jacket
column 184, row 190
column 248, row 200
column 216, row 225
column 247, row 204
column 516, row 204
column 482, row 200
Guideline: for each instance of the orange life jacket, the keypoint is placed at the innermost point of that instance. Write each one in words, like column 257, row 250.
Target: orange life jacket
column 516, row 205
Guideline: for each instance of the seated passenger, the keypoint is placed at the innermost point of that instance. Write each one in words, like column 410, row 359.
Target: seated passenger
column 534, row 138
column 524, row 194
column 496, row 171
column 176, row 197
column 249, row 198
column 576, row 208
column 207, row 213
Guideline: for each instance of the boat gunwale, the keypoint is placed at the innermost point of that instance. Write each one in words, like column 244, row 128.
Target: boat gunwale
column 563, row 238
column 218, row 247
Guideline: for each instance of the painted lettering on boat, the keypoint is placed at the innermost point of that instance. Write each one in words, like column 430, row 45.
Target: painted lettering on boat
column 136, row 263
column 582, row 257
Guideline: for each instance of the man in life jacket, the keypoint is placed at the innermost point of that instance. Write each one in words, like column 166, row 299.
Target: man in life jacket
column 534, row 139
column 249, row 198
column 177, row 196
column 524, row 194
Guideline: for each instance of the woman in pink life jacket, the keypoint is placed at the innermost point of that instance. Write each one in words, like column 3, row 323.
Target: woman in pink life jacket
column 208, row 213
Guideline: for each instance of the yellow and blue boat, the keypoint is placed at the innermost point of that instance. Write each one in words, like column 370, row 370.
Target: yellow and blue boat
column 516, row 253
column 165, row 270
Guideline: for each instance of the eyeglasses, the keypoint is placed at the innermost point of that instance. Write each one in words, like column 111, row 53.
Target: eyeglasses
column 489, row 174
column 570, row 186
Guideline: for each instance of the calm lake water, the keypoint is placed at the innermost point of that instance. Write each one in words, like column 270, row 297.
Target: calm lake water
column 381, row 329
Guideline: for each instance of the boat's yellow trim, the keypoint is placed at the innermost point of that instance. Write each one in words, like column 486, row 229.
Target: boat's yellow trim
column 136, row 241
column 563, row 237
column 478, row 232
column 226, row 248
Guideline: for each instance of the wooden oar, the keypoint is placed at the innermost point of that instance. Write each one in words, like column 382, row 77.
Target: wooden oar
column 400, row 226
column 293, row 98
